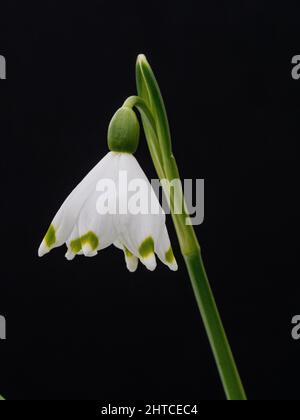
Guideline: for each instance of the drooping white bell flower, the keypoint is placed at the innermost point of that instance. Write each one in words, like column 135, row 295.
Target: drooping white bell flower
column 86, row 226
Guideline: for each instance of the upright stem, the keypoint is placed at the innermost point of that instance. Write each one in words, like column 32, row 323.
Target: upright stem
column 159, row 139
column 216, row 334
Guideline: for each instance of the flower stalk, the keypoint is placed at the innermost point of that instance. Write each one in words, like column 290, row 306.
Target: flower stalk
column 156, row 126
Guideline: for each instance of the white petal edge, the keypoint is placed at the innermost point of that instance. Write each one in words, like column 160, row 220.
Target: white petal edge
column 66, row 217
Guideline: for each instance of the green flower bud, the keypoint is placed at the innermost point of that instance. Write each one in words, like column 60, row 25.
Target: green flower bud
column 124, row 131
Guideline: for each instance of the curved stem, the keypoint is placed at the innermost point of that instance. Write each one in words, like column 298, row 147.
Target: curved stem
column 150, row 131
column 167, row 170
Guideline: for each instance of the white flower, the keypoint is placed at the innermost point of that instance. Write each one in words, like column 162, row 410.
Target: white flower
column 86, row 231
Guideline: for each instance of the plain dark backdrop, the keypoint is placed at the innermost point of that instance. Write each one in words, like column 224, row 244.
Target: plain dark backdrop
column 89, row 329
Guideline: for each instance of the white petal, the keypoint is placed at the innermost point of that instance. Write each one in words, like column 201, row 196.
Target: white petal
column 149, row 262
column 140, row 232
column 65, row 219
column 73, row 247
column 164, row 250
column 118, row 245
column 94, row 231
column 132, row 261
column 69, row 255
column 98, row 227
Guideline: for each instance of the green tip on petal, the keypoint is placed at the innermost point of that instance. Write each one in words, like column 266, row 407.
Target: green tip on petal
column 128, row 253
column 75, row 246
column 50, row 238
column 170, row 256
column 89, row 238
column 147, row 248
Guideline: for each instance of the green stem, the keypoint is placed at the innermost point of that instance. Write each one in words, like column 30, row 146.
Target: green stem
column 149, row 91
column 216, row 334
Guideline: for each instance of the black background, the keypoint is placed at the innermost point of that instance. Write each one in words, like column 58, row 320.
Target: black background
column 89, row 329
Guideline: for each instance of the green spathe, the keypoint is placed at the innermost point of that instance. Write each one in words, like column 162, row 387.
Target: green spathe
column 124, row 131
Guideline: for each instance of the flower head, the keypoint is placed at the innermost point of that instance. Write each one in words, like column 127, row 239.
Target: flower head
column 89, row 221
